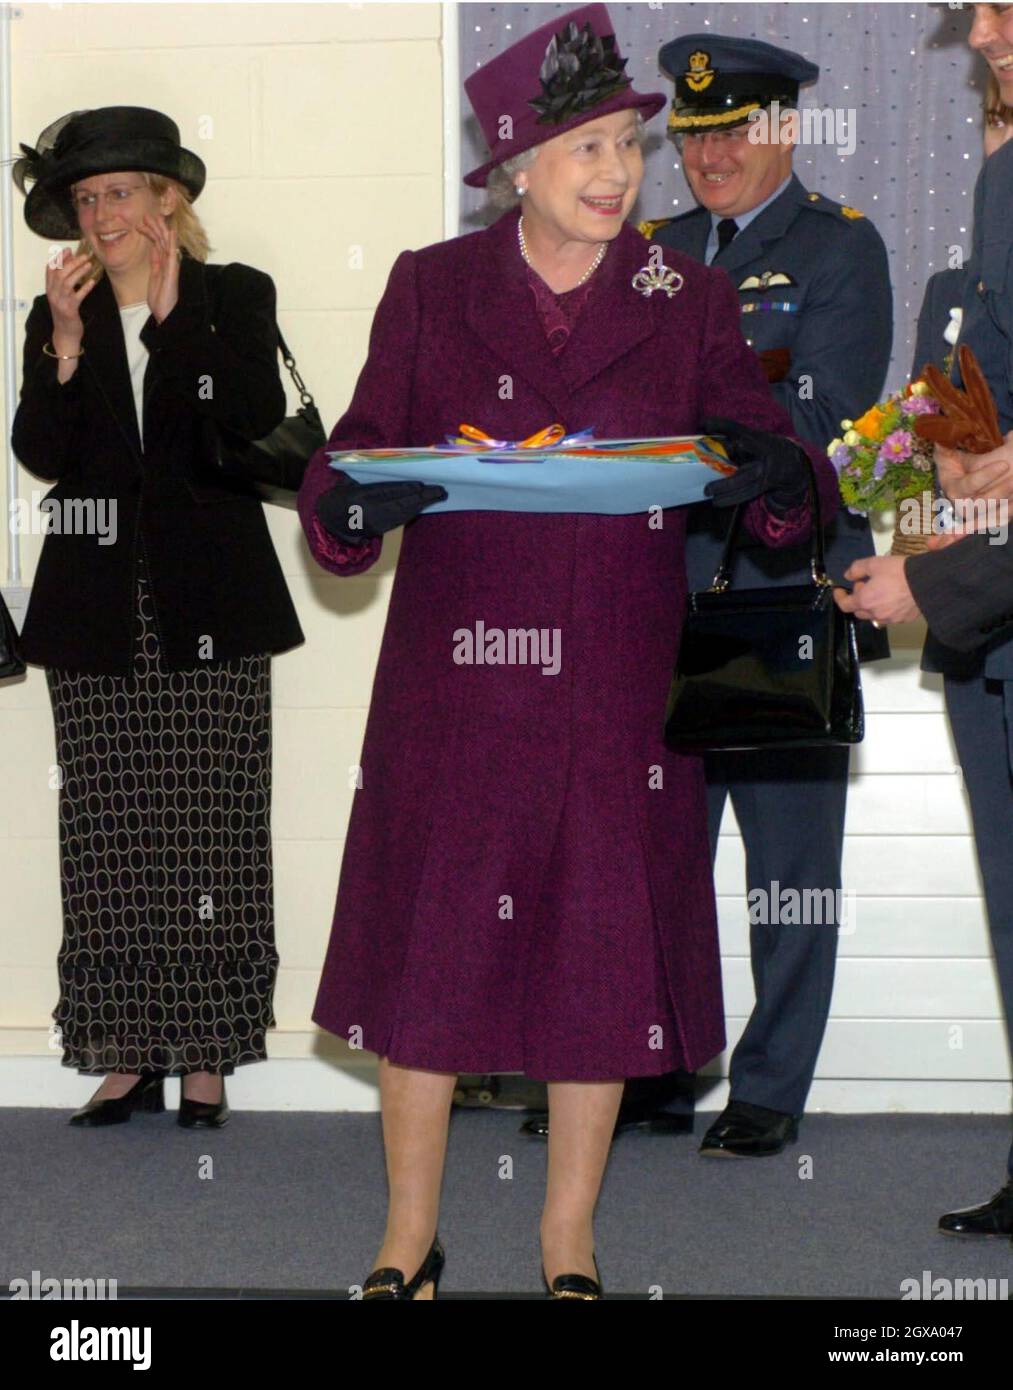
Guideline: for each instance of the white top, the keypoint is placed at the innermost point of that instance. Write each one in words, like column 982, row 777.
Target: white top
column 134, row 317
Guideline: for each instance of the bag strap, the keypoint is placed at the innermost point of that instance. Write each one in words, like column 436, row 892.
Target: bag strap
column 305, row 398
column 817, row 563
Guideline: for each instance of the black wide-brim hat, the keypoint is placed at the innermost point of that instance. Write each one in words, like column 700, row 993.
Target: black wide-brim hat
column 102, row 141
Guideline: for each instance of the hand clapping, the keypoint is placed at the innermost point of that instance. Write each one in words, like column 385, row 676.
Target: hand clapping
column 66, row 287
column 163, row 277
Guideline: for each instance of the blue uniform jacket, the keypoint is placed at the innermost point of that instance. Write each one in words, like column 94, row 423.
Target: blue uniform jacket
column 835, row 317
column 987, row 325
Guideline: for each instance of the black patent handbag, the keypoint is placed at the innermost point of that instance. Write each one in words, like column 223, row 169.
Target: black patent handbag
column 766, row 668
column 12, row 663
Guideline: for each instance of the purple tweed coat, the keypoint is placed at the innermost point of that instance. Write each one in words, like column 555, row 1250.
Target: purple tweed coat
column 526, row 882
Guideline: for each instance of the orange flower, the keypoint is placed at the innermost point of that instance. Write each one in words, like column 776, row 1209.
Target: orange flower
column 870, row 426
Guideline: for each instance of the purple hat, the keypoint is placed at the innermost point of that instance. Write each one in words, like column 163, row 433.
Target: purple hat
column 564, row 74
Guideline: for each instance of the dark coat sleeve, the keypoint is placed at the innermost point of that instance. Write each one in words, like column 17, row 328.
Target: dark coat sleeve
column 43, row 435
column 378, row 416
column 221, row 359
column 964, row 591
column 844, row 336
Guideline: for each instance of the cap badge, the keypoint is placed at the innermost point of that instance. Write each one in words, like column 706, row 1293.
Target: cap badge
column 700, row 74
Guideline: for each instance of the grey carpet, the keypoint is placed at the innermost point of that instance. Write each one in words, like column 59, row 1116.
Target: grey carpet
column 296, row 1202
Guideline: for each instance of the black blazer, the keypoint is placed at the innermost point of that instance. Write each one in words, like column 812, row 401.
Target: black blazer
column 213, row 571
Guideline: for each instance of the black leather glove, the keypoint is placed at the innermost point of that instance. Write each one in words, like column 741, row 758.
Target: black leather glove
column 385, row 506
column 765, row 464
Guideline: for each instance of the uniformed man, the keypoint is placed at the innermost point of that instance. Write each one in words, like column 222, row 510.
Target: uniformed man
column 814, row 290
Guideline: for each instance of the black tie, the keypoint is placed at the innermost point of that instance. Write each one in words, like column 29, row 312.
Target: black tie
column 727, row 228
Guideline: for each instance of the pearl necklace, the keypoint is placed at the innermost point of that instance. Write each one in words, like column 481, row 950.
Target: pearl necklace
column 587, row 273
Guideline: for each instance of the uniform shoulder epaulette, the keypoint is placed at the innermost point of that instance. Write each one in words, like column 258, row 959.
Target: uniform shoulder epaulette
column 647, row 229
column 828, row 205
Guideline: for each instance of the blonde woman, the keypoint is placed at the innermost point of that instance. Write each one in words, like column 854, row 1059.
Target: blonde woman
column 157, row 602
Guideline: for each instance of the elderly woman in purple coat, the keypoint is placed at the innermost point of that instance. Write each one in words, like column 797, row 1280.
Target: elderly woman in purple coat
column 526, row 884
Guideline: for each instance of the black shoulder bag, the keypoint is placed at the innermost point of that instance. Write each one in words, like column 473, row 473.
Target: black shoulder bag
column 274, row 466
column 766, row 668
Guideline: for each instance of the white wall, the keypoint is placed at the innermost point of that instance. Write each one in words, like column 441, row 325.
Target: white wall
column 327, row 134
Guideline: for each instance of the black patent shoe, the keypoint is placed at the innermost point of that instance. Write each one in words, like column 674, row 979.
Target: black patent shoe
column 389, row 1283
column 993, row 1218
column 631, row 1117
column 202, row 1114
column 575, row 1286
column 743, row 1130
column 145, row 1094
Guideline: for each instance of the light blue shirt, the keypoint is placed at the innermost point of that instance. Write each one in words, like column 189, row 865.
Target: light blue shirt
column 742, row 220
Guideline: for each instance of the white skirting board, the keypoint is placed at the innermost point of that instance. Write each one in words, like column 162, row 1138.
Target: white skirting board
column 32, row 1078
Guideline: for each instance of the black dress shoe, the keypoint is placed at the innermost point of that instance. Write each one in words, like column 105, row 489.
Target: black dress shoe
column 144, row 1094
column 631, row 1117
column 743, row 1130
column 993, row 1218
column 389, row 1283
column 575, row 1286
column 203, row 1114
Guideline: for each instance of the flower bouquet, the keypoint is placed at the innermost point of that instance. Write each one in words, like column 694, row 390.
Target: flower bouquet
column 883, row 463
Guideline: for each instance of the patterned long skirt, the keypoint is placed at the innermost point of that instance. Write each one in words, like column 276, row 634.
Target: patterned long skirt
column 168, row 959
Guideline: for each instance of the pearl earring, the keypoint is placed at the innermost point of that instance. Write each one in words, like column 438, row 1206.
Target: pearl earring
column 519, row 190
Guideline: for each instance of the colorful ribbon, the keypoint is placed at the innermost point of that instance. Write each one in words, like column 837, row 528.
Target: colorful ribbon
column 551, row 437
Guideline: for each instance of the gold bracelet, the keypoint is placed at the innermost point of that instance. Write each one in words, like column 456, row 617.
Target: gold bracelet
column 70, row 356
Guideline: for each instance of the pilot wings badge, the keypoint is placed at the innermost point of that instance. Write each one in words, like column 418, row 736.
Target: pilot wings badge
column 767, row 280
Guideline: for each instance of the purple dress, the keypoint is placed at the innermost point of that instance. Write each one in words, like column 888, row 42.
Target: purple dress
column 526, row 884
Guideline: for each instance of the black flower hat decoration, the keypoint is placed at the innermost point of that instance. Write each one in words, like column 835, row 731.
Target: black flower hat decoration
column 579, row 70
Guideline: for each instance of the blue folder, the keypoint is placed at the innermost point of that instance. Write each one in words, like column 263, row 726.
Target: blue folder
column 550, row 480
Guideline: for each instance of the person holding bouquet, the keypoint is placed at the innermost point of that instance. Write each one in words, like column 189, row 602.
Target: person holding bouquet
column 966, row 590
column 526, row 883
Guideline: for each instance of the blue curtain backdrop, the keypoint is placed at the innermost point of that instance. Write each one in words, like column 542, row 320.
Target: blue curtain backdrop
column 906, row 69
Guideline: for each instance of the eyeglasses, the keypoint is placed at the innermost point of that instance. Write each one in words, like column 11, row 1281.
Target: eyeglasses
column 122, row 193
column 723, row 139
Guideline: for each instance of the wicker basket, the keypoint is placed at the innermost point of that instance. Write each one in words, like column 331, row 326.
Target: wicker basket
column 916, row 513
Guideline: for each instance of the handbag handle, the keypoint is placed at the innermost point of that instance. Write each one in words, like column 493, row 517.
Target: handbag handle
column 817, row 563
column 305, row 398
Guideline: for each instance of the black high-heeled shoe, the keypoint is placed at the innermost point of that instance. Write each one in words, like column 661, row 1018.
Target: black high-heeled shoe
column 202, row 1114
column 389, row 1283
column 575, row 1285
column 145, row 1094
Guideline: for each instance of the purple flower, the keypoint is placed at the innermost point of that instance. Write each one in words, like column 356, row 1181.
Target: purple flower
column 840, row 457
column 894, row 449
column 921, row 405
column 879, row 467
